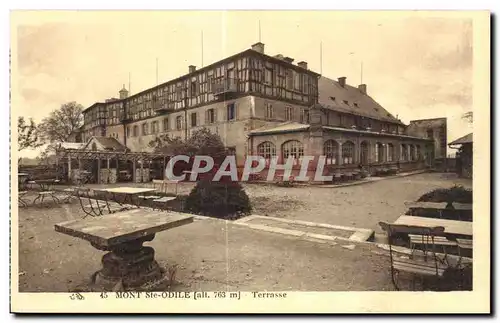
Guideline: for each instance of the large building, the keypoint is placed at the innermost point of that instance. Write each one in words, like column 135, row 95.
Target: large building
column 267, row 105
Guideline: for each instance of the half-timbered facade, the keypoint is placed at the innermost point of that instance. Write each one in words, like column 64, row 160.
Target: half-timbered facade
column 252, row 98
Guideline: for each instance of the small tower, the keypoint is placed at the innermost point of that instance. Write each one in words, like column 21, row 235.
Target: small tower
column 123, row 93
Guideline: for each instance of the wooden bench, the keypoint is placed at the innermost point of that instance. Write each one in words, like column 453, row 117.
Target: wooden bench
column 426, row 265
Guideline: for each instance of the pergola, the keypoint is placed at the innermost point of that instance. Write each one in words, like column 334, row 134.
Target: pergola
column 68, row 155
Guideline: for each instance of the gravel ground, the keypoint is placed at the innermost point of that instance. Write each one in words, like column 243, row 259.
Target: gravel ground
column 210, row 254
column 361, row 206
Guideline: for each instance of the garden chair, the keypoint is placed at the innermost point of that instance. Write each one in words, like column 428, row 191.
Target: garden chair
column 426, row 265
column 92, row 205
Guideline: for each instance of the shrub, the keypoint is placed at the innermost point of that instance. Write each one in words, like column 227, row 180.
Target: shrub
column 456, row 194
column 225, row 200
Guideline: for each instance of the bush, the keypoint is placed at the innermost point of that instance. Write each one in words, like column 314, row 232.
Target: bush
column 225, row 200
column 456, row 194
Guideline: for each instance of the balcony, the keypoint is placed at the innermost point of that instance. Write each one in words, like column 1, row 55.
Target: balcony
column 225, row 86
column 165, row 108
column 124, row 118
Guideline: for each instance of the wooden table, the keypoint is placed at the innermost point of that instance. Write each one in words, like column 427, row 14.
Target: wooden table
column 122, row 234
column 126, row 192
column 452, row 227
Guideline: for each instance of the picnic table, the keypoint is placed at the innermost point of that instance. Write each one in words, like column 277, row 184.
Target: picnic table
column 128, row 193
column 451, row 227
column 122, row 234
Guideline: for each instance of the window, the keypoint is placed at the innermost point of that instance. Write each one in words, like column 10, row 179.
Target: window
column 288, row 113
column 211, row 116
column 269, row 111
column 404, row 152
column 94, row 146
column 145, row 129
column 136, row 131
column 379, row 152
column 412, row 153
column 194, row 119
column 348, row 152
column 304, row 117
column 165, row 124
column 430, row 133
column 289, row 79
column 154, row 127
column 178, row 123
column 296, row 81
column 268, row 76
column 293, row 148
column 128, row 131
column 231, row 151
column 231, row 112
column 390, row 152
column 266, row 150
column 194, row 89
column 364, row 153
column 331, row 150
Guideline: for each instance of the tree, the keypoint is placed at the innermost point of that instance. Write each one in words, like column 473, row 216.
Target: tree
column 61, row 123
column 202, row 143
column 27, row 134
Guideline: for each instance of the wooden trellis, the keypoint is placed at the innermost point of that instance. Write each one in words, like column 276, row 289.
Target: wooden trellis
column 67, row 155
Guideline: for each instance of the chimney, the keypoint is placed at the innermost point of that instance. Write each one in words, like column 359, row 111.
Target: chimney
column 258, row 47
column 302, row 65
column 288, row 60
column 279, row 56
column 362, row 88
column 192, row 68
column 342, row 81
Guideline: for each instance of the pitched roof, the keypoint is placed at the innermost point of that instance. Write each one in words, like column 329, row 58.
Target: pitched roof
column 281, row 127
column 71, row 145
column 110, row 143
column 467, row 139
column 334, row 96
column 297, row 127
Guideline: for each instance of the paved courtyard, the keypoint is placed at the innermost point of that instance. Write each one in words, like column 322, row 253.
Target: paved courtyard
column 218, row 255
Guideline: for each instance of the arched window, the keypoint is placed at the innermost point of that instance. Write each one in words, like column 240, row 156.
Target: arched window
column 379, row 152
column 404, row 152
column 292, row 148
column 331, row 151
column 348, row 152
column 390, row 152
column 412, row 153
column 266, row 150
column 364, row 153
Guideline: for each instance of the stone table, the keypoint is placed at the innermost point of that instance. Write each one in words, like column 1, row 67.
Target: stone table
column 123, row 235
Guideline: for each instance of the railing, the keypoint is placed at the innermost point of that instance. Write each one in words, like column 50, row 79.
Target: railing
column 225, row 85
column 166, row 107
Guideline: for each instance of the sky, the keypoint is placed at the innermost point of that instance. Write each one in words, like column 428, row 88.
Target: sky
column 415, row 66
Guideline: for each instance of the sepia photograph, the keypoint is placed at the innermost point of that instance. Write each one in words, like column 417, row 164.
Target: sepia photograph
column 250, row 161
